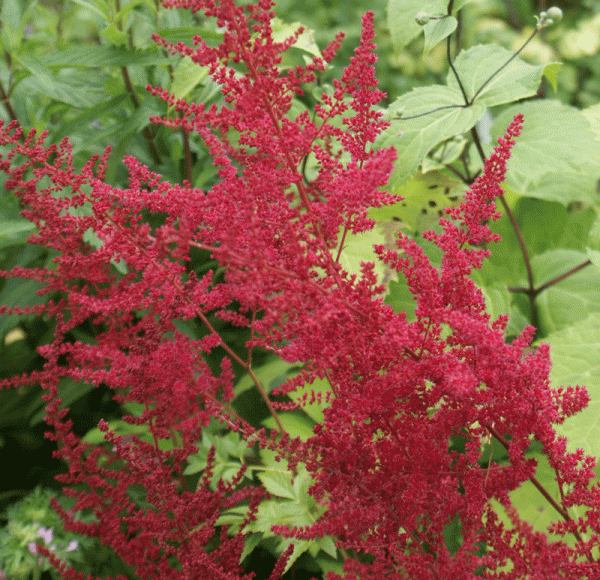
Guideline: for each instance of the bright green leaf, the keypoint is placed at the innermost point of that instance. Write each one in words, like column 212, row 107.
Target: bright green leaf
column 296, row 425
column 100, row 7
column 570, row 300
column 575, row 353
column 278, row 483
column 438, row 30
column 186, row 77
column 402, row 13
column 483, row 72
column 430, row 115
column 556, row 156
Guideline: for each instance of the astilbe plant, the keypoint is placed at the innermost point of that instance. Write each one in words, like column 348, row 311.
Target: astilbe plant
column 399, row 390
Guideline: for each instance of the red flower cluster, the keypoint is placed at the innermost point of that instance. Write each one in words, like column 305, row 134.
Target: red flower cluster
column 380, row 461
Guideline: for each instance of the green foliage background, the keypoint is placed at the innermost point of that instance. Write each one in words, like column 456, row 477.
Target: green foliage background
column 80, row 67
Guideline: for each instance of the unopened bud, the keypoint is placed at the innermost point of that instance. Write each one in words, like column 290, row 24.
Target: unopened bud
column 555, row 14
column 422, row 18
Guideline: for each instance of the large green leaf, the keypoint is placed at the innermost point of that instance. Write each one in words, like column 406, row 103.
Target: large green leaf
column 430, row 116
column 424, row 198
column 556, row 157
column 481, row 66
column 575, row 353
column 570, row 300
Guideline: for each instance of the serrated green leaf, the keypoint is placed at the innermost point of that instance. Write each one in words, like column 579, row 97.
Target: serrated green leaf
column 438, row 30
column 300, row 546
column 556, row 156
column 327, row 544
column 114, row 34
column 430, row 115
column 278, row 483
column 483, row 72
column 69, row 88
column 575, row 353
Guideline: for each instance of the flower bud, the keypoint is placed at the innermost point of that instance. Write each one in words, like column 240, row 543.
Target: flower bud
column 555, row 14
column 422, row 18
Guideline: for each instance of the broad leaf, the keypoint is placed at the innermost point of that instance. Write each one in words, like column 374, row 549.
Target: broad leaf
column 438, row 30
column 570, row 300
column 575, row 353
column 430, row 115
column 483, row 71
column 402, row 13
column 556, row 157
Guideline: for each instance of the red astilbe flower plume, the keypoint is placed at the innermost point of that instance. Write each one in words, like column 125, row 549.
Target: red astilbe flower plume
column 277, row 235
column 381, row 458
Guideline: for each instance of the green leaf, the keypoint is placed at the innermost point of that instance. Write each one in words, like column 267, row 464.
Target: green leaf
column 71, row 88
column 69, row 391
column 475, row 66
column 438, row 112
column 401, row 17
column 110, row 56
column 186, row 77
column 497, row 300
column 114, row 34
column 100, row 7
column 14, row 232
column 575, row 353
column 250, row 542
column 313, row 410
column 551, row 72
column 358, row 248
column 278, row 483
column 306, row 40
column 530, row 504
column 425, row 197
column 438, row 30
column 13, row 23
column 447, row 153
column 556, row 157
column 295, row 425
column 570, row 300
column 19, row 292
column 265, row 374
